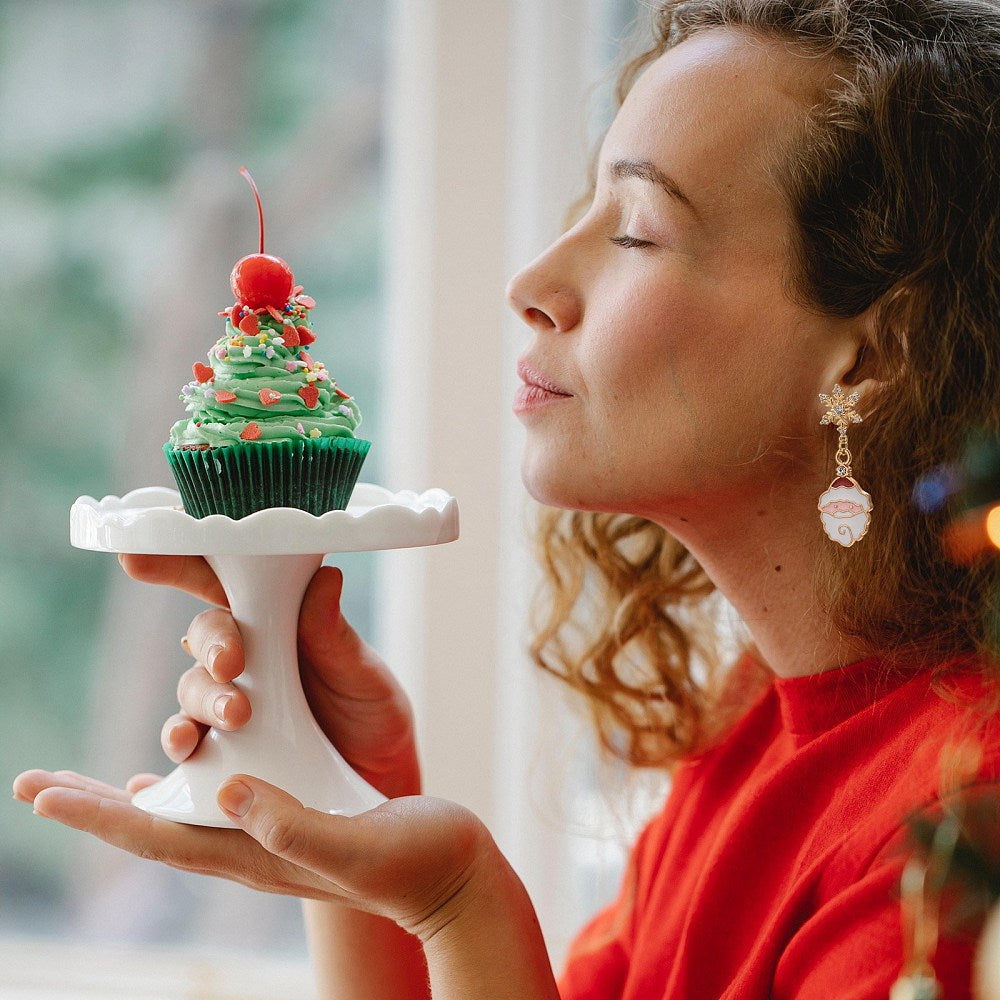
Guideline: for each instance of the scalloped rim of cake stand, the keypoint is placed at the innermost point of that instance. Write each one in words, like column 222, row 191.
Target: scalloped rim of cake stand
column 151, row 520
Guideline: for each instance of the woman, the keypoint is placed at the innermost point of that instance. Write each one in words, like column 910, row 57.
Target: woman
column 795, row 195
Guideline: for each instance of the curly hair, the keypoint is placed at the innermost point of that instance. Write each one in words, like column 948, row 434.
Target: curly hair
column 892, row 181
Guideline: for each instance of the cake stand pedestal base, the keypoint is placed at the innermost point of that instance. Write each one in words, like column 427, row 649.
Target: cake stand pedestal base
column 264, row 563
column 282, row 742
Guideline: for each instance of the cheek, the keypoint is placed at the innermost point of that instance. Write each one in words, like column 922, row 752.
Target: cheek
column 654, row 364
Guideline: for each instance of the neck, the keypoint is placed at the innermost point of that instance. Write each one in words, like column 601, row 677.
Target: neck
column 762, row 558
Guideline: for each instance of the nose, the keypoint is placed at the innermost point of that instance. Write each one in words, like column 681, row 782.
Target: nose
column 543, row 294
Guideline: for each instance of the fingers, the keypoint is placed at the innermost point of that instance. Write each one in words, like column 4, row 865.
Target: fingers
column 203, row 699
column 317, row 841
column 117, row 822
column 180, row 737
column 107, row 813
column 140, row 781
column 30, row 784
column 188, row 573
column 214, row 639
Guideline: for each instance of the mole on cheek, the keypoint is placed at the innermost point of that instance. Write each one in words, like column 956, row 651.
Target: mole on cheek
column 777, row 569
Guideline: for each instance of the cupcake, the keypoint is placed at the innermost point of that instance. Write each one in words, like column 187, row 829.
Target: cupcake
column 268, row 424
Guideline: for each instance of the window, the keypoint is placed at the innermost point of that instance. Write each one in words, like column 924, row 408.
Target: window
column 122, row 215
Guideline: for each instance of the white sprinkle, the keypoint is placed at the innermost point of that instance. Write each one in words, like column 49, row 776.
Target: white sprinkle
column 278, row 340
column 269, row 352
column 247, row 351
column 346, row 410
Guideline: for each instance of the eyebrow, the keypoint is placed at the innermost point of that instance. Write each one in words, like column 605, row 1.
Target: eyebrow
column 647, row 171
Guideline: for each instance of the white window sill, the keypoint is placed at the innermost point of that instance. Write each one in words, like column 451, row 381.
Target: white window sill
column 48, row 970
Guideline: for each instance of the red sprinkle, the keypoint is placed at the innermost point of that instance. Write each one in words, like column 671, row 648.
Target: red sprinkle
column 275, row 314
column 234, row 314
column 249, row 325
column 202, row 372
column 310, row 395
column 251, row 432
column 306, row 336
column 340, row 392
column 222, row 396
column 268, row 396
column 290, row 335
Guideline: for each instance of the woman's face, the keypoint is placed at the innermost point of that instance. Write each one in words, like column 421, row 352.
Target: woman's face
column 684, row 371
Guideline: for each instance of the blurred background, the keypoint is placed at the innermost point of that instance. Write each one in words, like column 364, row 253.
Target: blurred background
column 410, row 154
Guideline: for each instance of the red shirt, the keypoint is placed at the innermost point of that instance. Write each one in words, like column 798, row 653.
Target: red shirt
column 773, row 871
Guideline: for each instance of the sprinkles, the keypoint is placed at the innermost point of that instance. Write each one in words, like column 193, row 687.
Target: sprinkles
column 249, row 325
column 264, row 332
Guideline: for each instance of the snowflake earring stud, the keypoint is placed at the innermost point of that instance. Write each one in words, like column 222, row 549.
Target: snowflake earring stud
column 845, row 508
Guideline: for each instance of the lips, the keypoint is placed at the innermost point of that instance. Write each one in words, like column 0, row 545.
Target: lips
column 532, row 377
column 538, row 393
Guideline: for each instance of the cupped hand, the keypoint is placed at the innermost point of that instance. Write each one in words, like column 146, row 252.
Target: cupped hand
column 413, row 859
column 354, row 697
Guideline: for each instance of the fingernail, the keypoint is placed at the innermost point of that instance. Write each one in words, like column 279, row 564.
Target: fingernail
column 235, row 798
column 221, row 705
column 177, row 731
column 212, row 655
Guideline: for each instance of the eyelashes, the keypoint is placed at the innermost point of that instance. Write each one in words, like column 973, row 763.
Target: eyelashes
column 629, row 242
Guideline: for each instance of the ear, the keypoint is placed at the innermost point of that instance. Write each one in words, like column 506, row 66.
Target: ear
column 852, row 362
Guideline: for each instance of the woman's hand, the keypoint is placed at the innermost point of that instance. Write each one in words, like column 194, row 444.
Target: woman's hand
column 415, row 860
column 426, row 864
column 353, row 695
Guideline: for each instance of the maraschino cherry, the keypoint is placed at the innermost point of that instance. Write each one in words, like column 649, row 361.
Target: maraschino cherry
column 260, row 280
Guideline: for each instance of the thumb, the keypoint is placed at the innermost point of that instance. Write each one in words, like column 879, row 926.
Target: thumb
column 284, row 827
column 321, row 602
column 331, row 652
column 323, row 631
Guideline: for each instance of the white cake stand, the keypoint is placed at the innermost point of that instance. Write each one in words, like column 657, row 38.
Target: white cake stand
column 264, row 562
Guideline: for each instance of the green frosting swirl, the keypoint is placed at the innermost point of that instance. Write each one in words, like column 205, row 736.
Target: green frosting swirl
column 244, row 365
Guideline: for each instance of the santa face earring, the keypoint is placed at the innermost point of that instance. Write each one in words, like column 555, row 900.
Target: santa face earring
column 845, row 508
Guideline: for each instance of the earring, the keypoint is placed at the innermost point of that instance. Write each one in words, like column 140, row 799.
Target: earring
column 844, row 508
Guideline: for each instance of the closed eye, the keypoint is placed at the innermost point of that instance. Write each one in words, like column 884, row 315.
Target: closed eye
column 630, row 242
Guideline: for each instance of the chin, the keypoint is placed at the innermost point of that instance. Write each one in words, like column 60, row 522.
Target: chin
column 549, row 485
column 570, row 489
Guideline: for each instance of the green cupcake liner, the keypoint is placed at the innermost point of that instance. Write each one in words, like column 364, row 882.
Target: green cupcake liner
column 315, row 475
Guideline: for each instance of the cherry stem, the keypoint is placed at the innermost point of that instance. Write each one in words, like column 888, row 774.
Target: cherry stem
column 260, row 209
